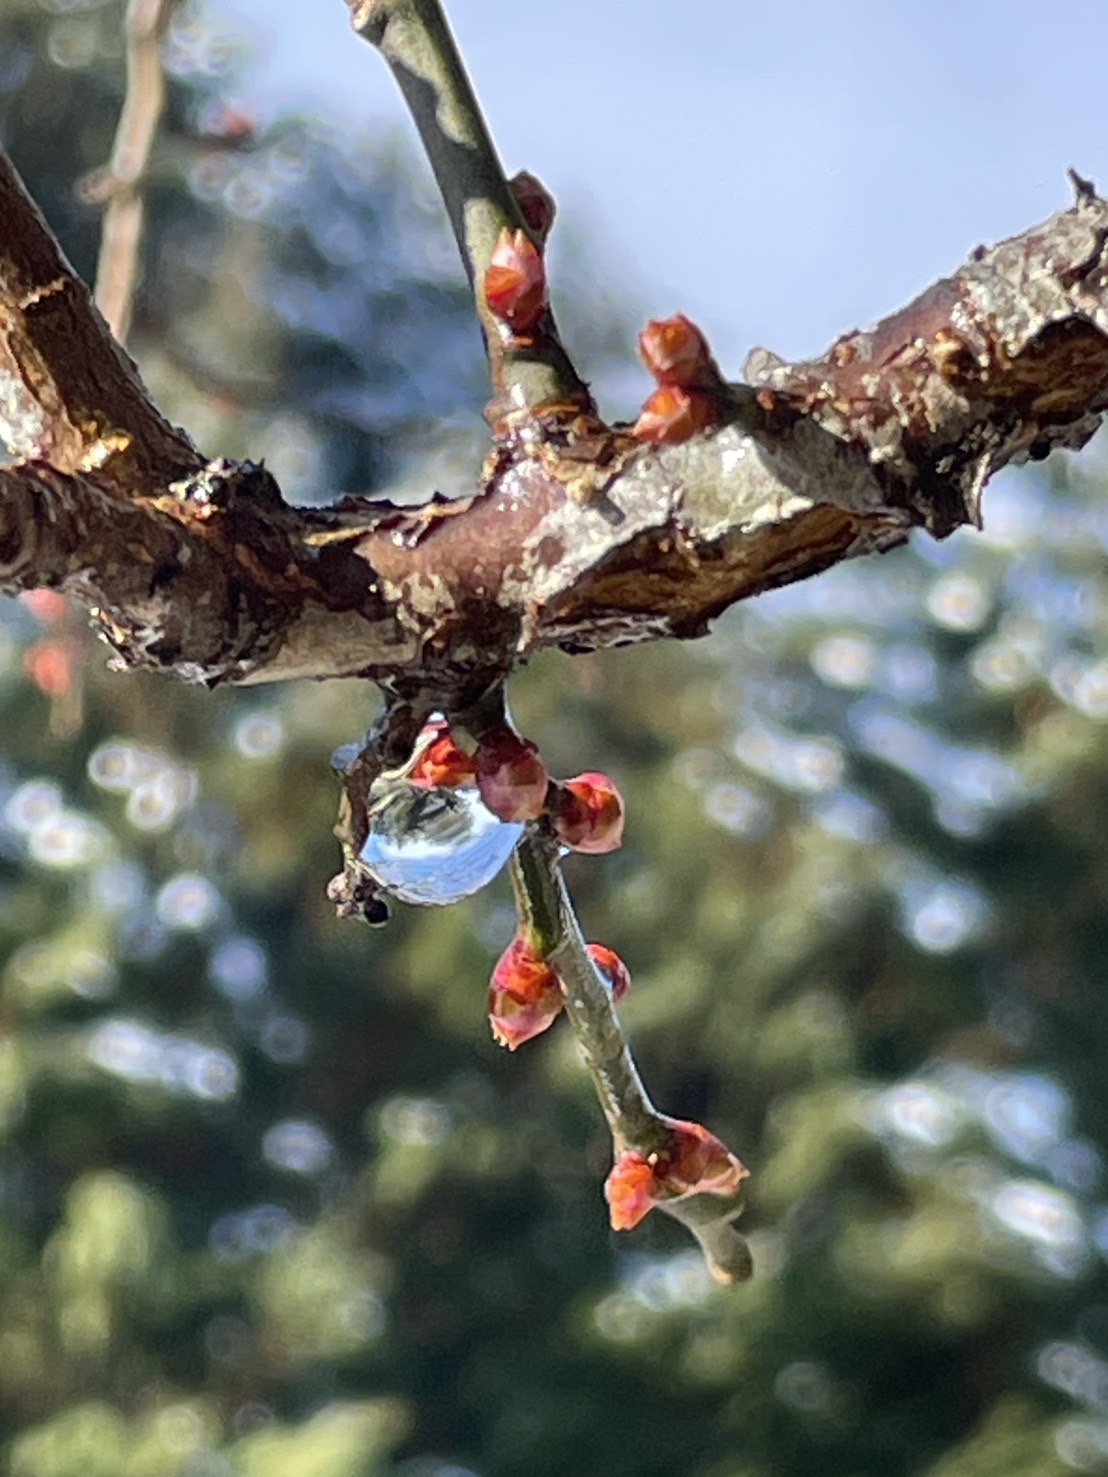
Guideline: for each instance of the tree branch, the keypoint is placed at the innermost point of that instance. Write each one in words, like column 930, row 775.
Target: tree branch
column 547, row 913
column 69, row 395
column 415, row 40
column 583, row 541
column 579, row 535
column 120, row 182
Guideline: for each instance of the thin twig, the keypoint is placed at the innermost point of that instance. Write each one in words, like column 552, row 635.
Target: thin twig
column 545, row 905
column 120, row 183
column 415, row 39
column 547, row 912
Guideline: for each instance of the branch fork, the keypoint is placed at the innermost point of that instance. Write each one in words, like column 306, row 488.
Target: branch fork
column 579, row 535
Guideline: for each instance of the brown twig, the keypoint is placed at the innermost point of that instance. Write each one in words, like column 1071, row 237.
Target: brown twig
column 120, row 183
column 415, row 40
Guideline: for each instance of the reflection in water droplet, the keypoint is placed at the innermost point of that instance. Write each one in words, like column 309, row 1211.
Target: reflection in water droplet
column 435, row 846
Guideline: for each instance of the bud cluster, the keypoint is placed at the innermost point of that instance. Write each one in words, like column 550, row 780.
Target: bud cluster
column 690, row 387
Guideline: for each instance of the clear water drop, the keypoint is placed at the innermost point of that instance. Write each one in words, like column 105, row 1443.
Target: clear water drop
column 434, row 845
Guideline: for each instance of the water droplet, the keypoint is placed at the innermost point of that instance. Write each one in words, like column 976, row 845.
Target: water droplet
column 434, row 846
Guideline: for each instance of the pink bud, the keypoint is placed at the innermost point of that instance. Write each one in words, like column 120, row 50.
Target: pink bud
column 515, row 282
column 612, row 967
column 672, row 415
column 693, row 1162
column 676, row 353
column 525, row 996
column 511, row 776
column 631, row 1190
column 587, row 813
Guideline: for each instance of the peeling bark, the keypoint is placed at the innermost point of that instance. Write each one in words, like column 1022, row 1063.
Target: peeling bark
column 576, row 535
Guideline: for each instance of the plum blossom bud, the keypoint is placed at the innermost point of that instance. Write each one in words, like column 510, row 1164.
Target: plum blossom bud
column 672, row 415
column 536, row 204
column 612, row 967
column 515, row 282
column 587, row 813
column 676, row 353
column 511, row 776
column 693, row 1162
column 525, row 995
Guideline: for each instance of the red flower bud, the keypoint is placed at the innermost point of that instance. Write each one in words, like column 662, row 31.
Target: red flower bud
column 536, row 204
column 631, row 1190
column 673, row 415
column 587, row 813
column 693, row 1162
column 612, row 967
column 525, row 996
column 511, row 776
column 676, row 353
column 442, row 762
column 515, row 282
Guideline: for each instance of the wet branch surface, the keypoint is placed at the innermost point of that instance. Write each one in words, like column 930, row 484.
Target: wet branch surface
column 579, row 537
column 576, row 534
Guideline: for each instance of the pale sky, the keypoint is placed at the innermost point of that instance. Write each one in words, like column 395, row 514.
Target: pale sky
column 780, row 172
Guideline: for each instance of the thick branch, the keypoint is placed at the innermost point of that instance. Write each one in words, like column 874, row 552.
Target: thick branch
column 581, row 539
column 69, row 395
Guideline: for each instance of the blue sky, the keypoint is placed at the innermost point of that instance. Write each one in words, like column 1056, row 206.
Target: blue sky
column 782, row 173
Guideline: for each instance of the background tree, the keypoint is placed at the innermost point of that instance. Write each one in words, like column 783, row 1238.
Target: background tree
column 271, row 1200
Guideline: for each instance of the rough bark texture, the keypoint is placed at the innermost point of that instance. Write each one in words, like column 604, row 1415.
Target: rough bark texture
column 576, row 535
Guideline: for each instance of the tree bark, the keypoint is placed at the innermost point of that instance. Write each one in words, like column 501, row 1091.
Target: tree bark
column 576, row 535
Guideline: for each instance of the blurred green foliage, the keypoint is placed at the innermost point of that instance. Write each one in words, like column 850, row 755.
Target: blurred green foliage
column 271, row 1202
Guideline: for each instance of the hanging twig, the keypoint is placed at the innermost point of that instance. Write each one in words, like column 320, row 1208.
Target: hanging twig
column 547, row 914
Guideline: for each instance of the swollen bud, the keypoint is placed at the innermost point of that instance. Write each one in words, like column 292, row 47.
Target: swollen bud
column 515, row 282
column 536, row 204
column 525, row 995
column 612, row 967
column 511, row 776
column 676, row 353
column 692, row 1162
column 672, row 415
column 587, row 813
